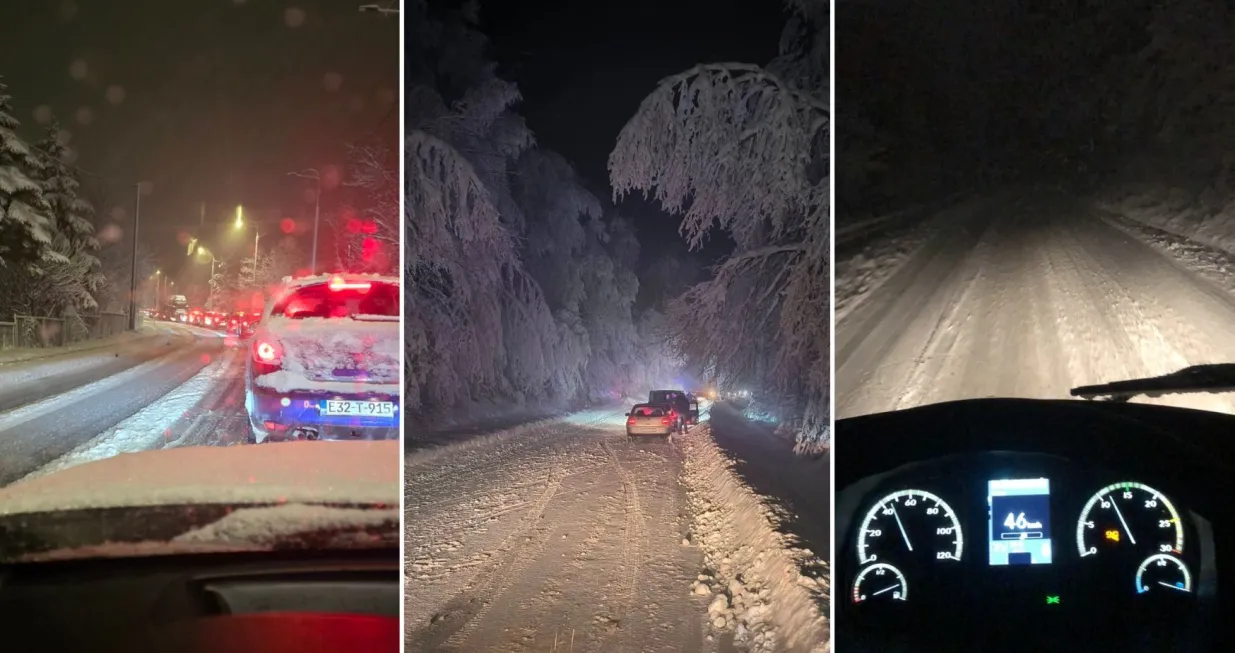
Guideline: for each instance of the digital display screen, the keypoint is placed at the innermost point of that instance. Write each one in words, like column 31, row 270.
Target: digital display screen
column 1020, row 521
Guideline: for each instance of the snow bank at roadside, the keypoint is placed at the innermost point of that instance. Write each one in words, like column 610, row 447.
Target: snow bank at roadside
column 752, row 571
column 1203, row 218
column 22, row 354
column 1216, row 265
column 861, row 273
column 149, row 426
column 20, row 366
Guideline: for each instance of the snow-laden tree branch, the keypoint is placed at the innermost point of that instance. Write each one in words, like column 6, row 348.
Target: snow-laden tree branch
column 744, row 149
column 26, row 229
column 729, row 146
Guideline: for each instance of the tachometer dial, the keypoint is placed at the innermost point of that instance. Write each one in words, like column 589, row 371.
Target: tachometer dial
column 910, row 524
column 1162, row 573
column 1132, row 518
column 880, row 582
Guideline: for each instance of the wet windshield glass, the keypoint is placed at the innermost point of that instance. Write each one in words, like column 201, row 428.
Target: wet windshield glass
column 164, row 167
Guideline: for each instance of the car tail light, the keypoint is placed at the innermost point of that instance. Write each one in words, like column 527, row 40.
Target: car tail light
column 664, row 420
column 630, row 422
column 266, row 354
column 339, row 283
column 207, row 321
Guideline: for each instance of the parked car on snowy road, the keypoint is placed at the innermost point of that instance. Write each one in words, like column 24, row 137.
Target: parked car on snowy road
column 323, row 362
column 684, row 403
column 651, row 419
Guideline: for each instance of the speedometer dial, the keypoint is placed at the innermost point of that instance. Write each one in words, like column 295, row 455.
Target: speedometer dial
column 1132, row 518
column 910, row 524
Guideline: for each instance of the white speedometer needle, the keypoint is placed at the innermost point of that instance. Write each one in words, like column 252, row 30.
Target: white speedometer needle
column 889, row 589
column 1174, row 587
column 1131, row 537
column 905, row 535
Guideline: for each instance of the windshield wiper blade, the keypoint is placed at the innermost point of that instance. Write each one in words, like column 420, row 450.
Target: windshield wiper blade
column 1219, row 377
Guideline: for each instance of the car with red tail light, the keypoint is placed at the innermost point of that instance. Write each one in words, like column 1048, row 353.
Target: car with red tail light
column 323, row 361
column 652, row 419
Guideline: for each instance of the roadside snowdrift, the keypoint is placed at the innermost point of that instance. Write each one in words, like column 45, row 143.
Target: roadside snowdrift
column 1205, row 217
column 752, row 573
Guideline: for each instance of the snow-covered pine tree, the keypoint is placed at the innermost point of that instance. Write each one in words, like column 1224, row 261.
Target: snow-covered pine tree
column 71, row 276
column 25, row 228
column 744, row 148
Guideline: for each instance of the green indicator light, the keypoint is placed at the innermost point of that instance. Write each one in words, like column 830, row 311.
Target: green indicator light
column 1052, row 600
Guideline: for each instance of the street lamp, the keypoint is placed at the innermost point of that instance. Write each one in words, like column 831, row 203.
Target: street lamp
column 239, row 216
column 310, row 173
column 202, row 250
column 137, row 211
column 257, row 236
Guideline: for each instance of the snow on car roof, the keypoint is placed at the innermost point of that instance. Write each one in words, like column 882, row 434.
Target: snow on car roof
column 298, row 282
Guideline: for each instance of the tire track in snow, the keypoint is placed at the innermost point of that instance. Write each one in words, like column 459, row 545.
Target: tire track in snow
column 632, row 536
column 521, row 546
column 1060, row 298
column 589, row 568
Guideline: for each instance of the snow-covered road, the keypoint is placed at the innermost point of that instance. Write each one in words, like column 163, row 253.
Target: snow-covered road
column 178, row 385
column 563, row 535
column 1028, row 296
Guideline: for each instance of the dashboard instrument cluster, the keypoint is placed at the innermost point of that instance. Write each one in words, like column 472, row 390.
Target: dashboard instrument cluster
column 985, row 535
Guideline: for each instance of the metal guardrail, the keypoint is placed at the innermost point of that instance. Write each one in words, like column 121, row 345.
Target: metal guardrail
column 28, row 331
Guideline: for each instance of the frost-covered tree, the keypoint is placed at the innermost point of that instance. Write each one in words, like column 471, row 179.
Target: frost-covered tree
column 520, row 284
column 744, row 148
column 25, row 226
column 477, row 324
column 67, row 280
column 367, row 235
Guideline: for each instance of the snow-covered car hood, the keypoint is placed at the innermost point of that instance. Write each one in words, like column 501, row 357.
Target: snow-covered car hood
column 359, row 473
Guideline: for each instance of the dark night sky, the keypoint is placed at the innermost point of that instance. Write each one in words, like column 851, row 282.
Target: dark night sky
column 220, row 98
column 584, row 67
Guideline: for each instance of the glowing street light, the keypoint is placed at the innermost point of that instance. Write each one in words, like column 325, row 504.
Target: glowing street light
column 239, row 216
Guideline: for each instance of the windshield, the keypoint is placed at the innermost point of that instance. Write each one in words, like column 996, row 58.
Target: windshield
column 163, row 168
column 1029, row 253
column 323, row 300
column 648, row 411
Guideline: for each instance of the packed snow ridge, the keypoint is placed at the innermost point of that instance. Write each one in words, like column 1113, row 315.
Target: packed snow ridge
column 752, row 573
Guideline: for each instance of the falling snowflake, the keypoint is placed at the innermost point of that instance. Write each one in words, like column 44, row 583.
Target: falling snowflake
column 85, row 116
column 293, row 17
column 42, row 114
column 115, row 94
column 79, row 69
column 332, row 82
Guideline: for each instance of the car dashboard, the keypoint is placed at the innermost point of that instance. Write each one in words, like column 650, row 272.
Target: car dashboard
column 1068, row 528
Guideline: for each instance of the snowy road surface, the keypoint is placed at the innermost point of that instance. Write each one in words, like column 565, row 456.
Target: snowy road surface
column 558, row 529
column 180, row 385
column 1028, row 297
column 563, row 535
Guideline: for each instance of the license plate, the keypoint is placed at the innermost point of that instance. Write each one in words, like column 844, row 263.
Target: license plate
column 359, row 408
